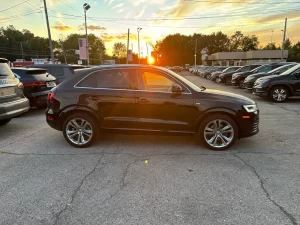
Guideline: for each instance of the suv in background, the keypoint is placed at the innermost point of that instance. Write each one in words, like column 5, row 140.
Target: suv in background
column 279, row 87
column 60, row 71
column 12, row 100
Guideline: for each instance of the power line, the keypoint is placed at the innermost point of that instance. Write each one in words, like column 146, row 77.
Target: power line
column 13, row 6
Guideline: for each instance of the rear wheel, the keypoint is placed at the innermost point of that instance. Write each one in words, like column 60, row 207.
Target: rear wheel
column 3, row 122
column 80, row 130
column 279, row 94
column 241, row 84
column 218, row 132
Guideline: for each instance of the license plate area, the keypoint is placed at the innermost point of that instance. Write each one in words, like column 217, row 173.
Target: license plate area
column 7, row 91
column 50, row 84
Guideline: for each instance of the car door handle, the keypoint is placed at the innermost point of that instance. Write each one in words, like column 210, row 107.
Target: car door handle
column 142, row 101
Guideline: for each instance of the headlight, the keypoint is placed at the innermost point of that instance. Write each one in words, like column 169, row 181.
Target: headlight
column 250, row 108
column 261, row 81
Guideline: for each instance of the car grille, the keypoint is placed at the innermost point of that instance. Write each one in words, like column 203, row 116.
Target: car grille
column 254, row 127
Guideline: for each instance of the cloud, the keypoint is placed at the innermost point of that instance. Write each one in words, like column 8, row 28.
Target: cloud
column 118, row 6
column 61, row 27
column 154, row 2
column 91, row 27
column 123, row 37
column 295, row 14
column 141, row 12
column 109, row 1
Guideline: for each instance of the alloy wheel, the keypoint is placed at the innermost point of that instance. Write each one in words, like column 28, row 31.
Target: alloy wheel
column 279, row 94
column 79, row 131
column 218, row 133
column 218, row 80
column 242, row 84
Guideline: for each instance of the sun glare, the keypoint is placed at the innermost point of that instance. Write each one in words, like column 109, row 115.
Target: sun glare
column 151, row 60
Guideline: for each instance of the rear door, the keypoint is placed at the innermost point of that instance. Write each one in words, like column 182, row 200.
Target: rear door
column 296, row 82
column 158, row 108
column 111, row 93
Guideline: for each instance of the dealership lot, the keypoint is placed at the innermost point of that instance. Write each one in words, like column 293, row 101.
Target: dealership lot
column 132, row 179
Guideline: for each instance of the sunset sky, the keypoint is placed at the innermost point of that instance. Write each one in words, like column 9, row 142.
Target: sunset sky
column 110, row 19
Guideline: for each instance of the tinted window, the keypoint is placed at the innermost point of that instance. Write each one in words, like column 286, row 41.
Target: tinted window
column 244, row 69
column 114, row 79
column 264, row 69
column 56, row 71
column 291, row 70
column 5, row 71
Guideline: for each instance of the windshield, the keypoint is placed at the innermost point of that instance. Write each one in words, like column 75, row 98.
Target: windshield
column 281, row 69
column 5, row 71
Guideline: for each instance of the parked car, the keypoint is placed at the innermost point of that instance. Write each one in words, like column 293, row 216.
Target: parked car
column 279, row 87
column 60, row 71
column 37, row 84
column 214, row 75
column 12, row 100
column 238, row 78
column 226, row 77
column 147, row 99
column 250, row 80
column 208, row 74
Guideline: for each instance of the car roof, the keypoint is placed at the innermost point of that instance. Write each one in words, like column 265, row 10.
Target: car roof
column 28, row 69
column 48, row 65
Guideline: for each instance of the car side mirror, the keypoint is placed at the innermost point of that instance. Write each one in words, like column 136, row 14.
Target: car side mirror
column 176, row 88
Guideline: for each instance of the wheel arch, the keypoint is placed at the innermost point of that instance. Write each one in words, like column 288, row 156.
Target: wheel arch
column 282, row 85
column 225, row 111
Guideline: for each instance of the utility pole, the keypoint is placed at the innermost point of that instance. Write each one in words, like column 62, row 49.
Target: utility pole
column 49, row 33
column 147, row 51
column 22, row 51
column 127, row 47
column 196, row 53
column 62, row 47
column 138, row 30
column 283, row 41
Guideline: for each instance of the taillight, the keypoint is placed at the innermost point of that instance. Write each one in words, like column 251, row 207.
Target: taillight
column 38, row 84
column 51, row 96
column 20, row 85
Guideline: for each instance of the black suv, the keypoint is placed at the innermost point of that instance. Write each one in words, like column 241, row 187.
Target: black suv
column 226, row 77
column 249, row 81
column 12, row 99
column 239, row 78
column 60, row 71
column 231, row 69
column 279, row 87
column 147, row 99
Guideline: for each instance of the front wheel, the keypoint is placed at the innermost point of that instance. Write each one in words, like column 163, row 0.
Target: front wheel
column 241, row 84
column 80, row 130
column 218, row 132
column 228, row 81
column 218, row 80
column 279, row 94
column 3, row 122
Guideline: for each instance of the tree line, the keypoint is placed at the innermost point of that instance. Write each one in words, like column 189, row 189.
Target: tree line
column 175, row 49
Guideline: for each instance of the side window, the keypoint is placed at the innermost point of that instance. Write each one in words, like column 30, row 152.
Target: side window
column 113, row 79
column 297, row 73
column 155, row 81
column 264, row 69
column 245, row 69
column 56, row 71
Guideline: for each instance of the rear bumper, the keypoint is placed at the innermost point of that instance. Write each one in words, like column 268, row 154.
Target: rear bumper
column 14, row 108
column 39, row 98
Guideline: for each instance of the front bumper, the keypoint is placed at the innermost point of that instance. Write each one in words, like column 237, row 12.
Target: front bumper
column 235, row 82
column 249, row 85
column 11, row 109
column 260, row 91
column 249, row 127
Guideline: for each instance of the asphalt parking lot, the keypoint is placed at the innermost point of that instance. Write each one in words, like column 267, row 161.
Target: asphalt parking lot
column 135, row 179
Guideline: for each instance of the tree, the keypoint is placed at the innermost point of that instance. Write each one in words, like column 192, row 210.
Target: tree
column 119, row 50
column 249, row 43
column 270, row 46
column 236, row 41
column 294, row 53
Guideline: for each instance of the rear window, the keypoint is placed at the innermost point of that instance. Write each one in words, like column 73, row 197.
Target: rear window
column 5, row 71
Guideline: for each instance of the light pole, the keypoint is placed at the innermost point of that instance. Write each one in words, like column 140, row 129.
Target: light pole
column 138, row 30
column 196, row 53
column 86, row 8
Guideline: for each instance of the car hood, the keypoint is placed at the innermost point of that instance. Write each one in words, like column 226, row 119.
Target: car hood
column 274, row 77
column 257, row 75
column 227, row 74
column 242, row 74
column 216, row 95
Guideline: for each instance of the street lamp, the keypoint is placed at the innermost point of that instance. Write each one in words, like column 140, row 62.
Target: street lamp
column 86, row 8
column 138, row 30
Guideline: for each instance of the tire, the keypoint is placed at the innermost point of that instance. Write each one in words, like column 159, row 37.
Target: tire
column 218, row 80
column 3, row 122
column 279, row 94
column 208, row 76
column 222, row 140
column 78, row 129
column 228, row 81
column 241, row 84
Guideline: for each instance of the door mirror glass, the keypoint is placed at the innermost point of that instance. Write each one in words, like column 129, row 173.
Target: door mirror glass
column 176, row 88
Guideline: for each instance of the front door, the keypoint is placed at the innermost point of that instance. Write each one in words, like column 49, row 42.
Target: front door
column 158, row 108
column 296, row 82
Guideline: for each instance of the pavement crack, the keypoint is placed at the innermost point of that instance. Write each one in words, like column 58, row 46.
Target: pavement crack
column 262, row 185
column 122, row 181
column 57, row 217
